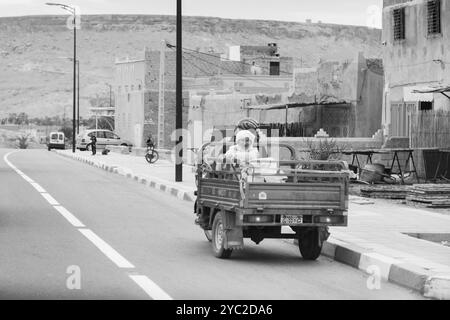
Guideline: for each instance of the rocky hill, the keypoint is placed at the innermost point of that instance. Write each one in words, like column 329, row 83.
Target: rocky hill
column 37, row 79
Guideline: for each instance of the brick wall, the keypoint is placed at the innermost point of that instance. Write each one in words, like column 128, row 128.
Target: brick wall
column 151, row 114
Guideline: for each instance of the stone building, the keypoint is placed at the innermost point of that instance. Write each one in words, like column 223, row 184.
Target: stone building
column 416, row 39
column 344, row 99
column 137, row 84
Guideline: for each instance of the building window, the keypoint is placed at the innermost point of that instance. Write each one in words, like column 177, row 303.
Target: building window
column 274, row 68
column 434, row 17
column 425, row 105
column 399, row 24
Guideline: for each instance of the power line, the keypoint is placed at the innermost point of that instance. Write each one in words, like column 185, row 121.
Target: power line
column 229, row 60
column 232, row 72
column 417, row 64
column 196, row 66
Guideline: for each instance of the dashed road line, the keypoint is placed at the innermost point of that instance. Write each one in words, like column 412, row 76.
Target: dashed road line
column 145, row 283
column 151, row 288
column 50, row 199
column 69, row 217
column 107, row 250
column 38, row 187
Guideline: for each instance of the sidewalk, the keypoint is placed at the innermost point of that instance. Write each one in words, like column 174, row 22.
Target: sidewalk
column 374, row 241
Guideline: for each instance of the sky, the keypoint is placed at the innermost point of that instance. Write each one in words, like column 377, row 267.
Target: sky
column 353, row 12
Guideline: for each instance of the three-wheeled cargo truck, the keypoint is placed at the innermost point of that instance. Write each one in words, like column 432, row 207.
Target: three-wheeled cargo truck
column 256, row 200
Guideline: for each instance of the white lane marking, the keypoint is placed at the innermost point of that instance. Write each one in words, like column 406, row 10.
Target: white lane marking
column 28, row 179
column 112, row 254
column 69, row 217
column 38, row 187
column 50, row 199
column 151, row 288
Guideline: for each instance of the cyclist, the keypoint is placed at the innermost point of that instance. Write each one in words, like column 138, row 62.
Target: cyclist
column 150, row 142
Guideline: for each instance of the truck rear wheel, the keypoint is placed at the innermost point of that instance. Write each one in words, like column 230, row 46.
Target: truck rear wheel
column 310, row 245
column 219, row 238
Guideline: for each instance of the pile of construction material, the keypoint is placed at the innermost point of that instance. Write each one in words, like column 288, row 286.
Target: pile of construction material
column 430, row 195
column 395, row 192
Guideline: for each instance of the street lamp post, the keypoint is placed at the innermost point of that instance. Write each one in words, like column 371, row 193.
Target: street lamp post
column 78, row 96
column 179, row 96
column 72, row 11
column 78, row 91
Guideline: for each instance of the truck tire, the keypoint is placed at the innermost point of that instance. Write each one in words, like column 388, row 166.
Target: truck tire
column 219, row 238
column 309, row 245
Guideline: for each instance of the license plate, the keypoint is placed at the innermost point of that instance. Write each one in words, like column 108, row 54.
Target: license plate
column 291, row 220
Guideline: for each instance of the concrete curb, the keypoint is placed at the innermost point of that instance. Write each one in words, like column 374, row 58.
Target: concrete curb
column 128, row 173
column 414, row 277
column 430, row 285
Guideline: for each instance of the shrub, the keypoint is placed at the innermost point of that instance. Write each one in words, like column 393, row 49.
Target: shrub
column 325, row 149
column 23, row 142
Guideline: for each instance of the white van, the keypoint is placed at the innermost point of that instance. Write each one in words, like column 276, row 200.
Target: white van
column 56, row 141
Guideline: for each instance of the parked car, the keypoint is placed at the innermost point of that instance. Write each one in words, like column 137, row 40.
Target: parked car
column 104, row 138
column 56, row 141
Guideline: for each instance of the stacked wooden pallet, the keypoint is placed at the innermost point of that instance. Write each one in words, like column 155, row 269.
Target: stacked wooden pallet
column 385, row 192
column 431, row 195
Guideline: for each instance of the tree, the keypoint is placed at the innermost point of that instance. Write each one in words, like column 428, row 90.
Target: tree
column 12, row 118
column 22, row 119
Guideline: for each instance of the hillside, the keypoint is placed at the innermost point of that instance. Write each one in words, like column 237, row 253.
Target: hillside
column 35, row 78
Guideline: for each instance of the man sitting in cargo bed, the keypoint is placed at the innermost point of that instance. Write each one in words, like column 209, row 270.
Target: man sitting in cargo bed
column 243, row 152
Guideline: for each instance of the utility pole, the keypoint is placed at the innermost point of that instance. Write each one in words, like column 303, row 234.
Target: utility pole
column 179, row 96
column 73, row 12
column 74, row 79
column 161, row 107
column 78, row 96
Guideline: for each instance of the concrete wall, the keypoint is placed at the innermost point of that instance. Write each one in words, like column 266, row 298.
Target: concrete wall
column 413, row 61
column 368, row 110
column 151, row 115
column 129, row 97
column 359, row 82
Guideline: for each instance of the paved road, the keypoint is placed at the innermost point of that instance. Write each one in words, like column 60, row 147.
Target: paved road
column 132, row 242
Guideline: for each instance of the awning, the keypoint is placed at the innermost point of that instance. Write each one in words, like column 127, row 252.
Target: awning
column 444, row 90
column 417, row 93
column 291, row 105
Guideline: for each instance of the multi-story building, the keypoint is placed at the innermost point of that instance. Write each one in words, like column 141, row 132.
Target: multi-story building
column 343, row 98
column 416, row 39
column 255, row 70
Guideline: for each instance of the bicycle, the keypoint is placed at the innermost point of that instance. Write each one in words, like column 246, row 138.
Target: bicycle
column 151, row 155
